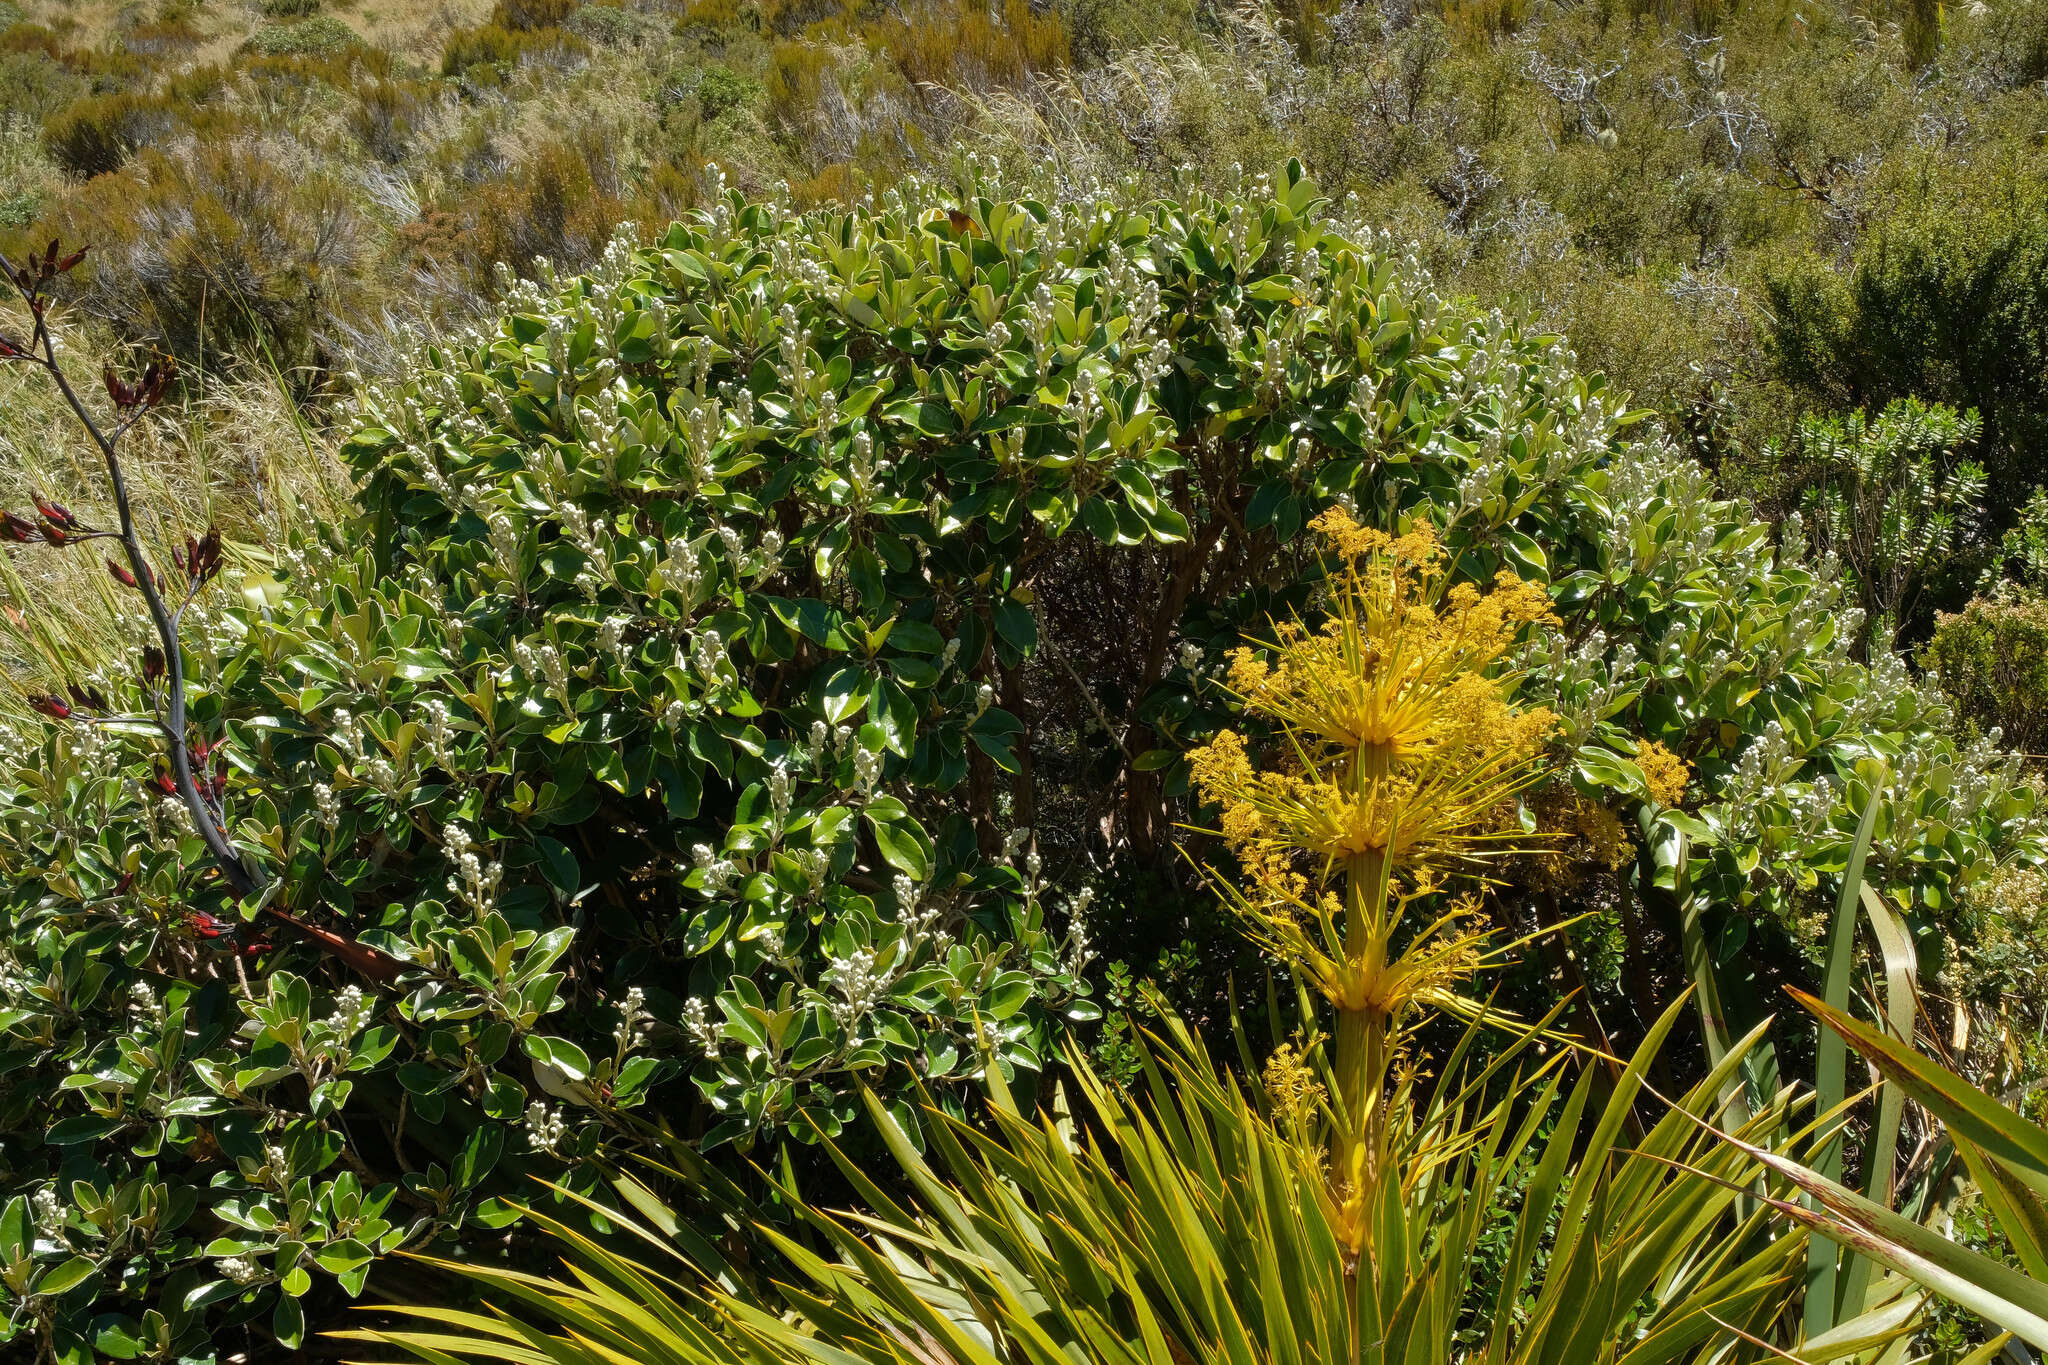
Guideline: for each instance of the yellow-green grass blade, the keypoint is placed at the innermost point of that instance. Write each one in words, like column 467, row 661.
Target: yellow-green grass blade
column 2002, row 1296
column 2001, row 1133
column 1881, row 1145
column 1831, row 1057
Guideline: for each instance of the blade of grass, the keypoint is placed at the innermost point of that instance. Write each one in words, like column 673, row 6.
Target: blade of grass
column 1831, row 1059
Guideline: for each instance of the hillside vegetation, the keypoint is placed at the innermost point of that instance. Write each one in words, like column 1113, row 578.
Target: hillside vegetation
column 800, row 579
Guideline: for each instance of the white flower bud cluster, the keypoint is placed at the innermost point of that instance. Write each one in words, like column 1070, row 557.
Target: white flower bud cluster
column 175, row 813
column 633, row 1020
column 1237, row 240
column 697, row 1024
column 1582, row 685
column 781, row 794
column 611, row 638
column 1228, row 330
column 741, row 403
column 352, row 1010
column 474, row 882
column 765, row 559
column 326, row 806
column 920, row 915
column 867, row 769
column 439, row 736
column 1764, row 769
column 543, row 663
column 1079, row 950
column 142, row 998
column 599, row 418
column 51, row 1216
column 347, row 736
column 814, row 864
column 859, row 985
column 708, row 659
column 545, row 1127
column 703, row 427
column 793, row 346
column 1815, row 808
column 682, row 569
column 588, row 535
column 240, row 1269
column 1040, row 318
column 381, row 774
column 984, row 697
column 718, row 871
column 91, row 747
column 1083, row 407
column 861, row 470
column 506, row 545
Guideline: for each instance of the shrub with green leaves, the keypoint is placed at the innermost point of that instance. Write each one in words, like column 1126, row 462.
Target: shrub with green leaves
column 745, row 658
column 1944, row 301
column 323, row 35
column 1895, row 495
column 1992, row 659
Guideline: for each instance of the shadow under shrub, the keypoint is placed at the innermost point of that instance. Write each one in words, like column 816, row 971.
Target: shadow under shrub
column 98, row 134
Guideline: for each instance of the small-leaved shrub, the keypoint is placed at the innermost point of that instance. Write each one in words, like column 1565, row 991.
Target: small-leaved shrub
column 320, row 36
column 1992, row 659
column 98, row 134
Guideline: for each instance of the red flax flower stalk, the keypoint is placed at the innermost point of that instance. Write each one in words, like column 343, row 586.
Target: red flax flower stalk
column 199, row 559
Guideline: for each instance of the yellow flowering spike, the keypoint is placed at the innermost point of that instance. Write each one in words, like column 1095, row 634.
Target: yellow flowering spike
column 1401, row 741
column 1400, row 753
column 1292, row 1088
column 1399, row 669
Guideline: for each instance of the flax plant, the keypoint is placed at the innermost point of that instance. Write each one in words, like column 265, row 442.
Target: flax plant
column 1401, row 753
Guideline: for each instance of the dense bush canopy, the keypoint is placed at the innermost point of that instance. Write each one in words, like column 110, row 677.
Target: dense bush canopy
column 747, row 655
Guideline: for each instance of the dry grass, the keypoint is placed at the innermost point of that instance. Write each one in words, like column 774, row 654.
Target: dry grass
column 233, row 452
column 411, row 29
column 406, row 28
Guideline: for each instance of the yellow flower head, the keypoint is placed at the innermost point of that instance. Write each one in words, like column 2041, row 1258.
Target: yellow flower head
column 1665, row 772
column 1400, row 754
column 1292, row 1087
column 1399, row 757
column 1401, row 740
